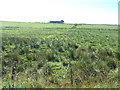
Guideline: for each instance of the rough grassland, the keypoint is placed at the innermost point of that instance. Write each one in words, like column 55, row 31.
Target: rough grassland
column 44, row 55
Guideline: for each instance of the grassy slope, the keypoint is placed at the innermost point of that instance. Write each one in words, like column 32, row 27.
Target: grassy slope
column 61, row 44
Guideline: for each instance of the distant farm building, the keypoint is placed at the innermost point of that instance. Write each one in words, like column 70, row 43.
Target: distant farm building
column 57, row 21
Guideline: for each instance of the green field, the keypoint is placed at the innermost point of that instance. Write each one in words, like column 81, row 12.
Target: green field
column 44, row 55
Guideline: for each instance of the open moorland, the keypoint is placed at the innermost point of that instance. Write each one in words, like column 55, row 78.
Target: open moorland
column 46, row 55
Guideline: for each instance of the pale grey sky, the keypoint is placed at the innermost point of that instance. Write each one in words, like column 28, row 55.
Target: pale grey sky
column 71, row 11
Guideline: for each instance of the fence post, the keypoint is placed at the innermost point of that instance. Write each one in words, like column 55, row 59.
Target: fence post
column 71, row 76
column 13, row 73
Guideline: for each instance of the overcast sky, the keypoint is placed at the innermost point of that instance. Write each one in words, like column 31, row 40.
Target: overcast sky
column 71, row 11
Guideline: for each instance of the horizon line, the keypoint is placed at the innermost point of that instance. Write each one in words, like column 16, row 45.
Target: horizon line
column 59, row 23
